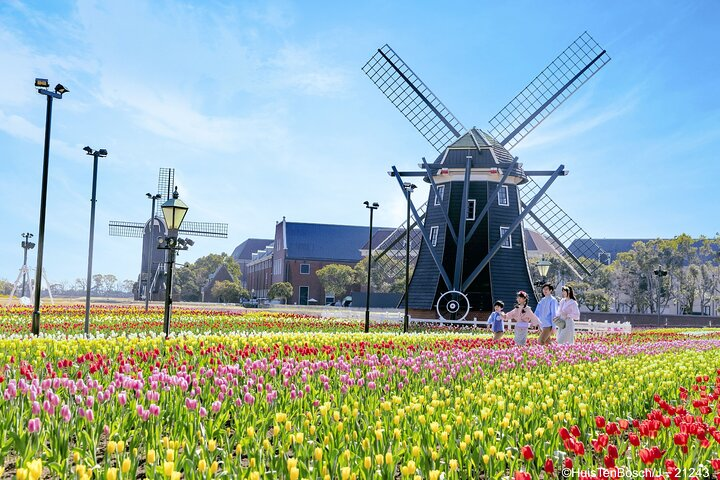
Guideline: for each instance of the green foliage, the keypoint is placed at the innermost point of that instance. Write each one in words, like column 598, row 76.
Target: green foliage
column 282, row 290
column 387, row 275
column 5, row 287
column 228, row 292
column 190, row 279
column 336, row 279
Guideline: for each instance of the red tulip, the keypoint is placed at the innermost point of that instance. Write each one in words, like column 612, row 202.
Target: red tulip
column 600, row 421
column 680, row 439
column 527, row 452
column 575, row 430
column 646, row 456
column 579, row 448
column 613, row 451
column 522, row 476
column 549, row 466
column 568, row 463
column 609, row 461
column 564, row 434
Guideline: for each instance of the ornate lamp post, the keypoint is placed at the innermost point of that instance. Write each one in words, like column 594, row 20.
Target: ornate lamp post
column 42, row 85
column 174, row 211
column 372, row 208
column 95, row 154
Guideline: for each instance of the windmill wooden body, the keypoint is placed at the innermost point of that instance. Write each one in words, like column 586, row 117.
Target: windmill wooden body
column 472, row 251
column 152, row 267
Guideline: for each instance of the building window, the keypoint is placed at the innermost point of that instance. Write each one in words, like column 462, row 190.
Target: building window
column 303, row 295
column 503, row 196
column 440, row 194
column 434, row 235
column 471, row 209
column 329, row 299
column 305, row 268
column 508, row 241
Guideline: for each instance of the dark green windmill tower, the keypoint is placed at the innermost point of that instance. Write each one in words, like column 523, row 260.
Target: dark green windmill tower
column 473, row 248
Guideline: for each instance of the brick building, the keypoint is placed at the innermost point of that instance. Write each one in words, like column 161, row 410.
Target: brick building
column 243, row 255
column 301, row 249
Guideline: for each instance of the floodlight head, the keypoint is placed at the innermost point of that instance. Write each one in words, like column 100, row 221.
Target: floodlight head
column 60, row 89
column 189, row 242
column 148, row 195
column 88, row 150
column 102, row 152
column 376, row 205
column 366, row 203
column 42, row 83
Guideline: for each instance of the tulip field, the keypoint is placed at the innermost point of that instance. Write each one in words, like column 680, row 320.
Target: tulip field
column 277, row 396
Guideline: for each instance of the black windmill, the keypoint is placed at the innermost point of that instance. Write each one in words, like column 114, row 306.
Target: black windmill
column 152, row 266
column 472, row 251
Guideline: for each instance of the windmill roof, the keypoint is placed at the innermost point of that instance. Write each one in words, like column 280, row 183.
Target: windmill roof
column 485, row 151
column 315, row 241
column 245, row 250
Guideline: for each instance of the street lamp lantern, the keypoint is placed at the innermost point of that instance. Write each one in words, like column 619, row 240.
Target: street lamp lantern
column 174, row 211
column 372, row 208
column 543, row 266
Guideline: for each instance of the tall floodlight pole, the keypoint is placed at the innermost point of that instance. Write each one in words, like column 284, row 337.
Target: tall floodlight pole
column 95, row 154
column 409, row 188
column 26, row 245
column 148, row 272
column 659, row 273
column 42, row 85
column 372, row 208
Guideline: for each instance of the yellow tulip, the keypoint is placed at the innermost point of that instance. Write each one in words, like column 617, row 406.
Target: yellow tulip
column 111, row 474
column 212, row 445
column 111, row 447
column 294, row 473
column 168, row 468
column 214, row 467
column 317, row 454
column 151, row 456
column 202, row 465
column 120, row 446
column 126, row 465
column 345, row 473
column 367, row 463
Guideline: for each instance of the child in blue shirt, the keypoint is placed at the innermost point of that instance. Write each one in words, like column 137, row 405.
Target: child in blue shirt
column 495, row 321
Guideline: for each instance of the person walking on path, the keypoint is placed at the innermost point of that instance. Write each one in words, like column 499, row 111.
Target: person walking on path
column 546, row 310
column 568, row 314
column 496, row 319
column 523, row 316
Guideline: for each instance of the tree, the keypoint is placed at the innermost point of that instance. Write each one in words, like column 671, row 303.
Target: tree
column 336, row 279
column 80, row 285
column 197, row 273
column 387, row 275
column 228, row 292
column 97, row 283
column 5, row 287
column 126, row 286
column 282, row 290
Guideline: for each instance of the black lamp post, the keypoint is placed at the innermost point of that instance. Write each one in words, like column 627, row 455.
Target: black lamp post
column 409, row 188
column 372, row 208
column 42, row 85
column 174, row 211
column 148, row 272
column 659, row 273
column 95, row 153
column 26, row 245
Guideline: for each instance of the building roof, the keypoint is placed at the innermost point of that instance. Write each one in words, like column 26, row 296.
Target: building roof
column 245, row 250
column 315, row 241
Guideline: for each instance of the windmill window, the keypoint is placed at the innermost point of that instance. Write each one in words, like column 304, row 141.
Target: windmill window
column 434, row 235
column 503, row 196
column 471, row 209
column 508, row 241
column 440, row 194
column 305, row 268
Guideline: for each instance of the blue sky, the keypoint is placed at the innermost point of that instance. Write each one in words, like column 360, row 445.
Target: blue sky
column 264, row 112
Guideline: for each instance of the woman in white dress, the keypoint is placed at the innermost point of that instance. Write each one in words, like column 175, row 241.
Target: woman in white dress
column 568, row 313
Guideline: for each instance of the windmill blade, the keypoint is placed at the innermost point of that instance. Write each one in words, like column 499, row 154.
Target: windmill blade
column 166, row 185
column 568, row 72
column 388, row 258
column 413, row 98
column 127, row 229
column 204, row 229
column 568, row 238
